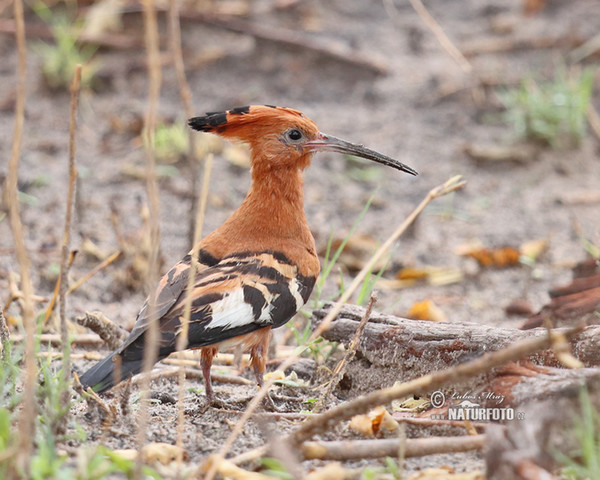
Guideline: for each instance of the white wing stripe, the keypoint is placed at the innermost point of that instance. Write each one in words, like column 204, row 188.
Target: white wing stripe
column 231, row 311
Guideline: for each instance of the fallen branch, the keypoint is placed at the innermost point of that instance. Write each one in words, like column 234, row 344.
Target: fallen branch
column 414, row 347
column 295, row 39
column 422, row 385
column 480, row 46
column 388, row 447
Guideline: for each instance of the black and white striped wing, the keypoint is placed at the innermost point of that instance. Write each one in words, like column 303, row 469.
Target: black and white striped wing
column 243, row 293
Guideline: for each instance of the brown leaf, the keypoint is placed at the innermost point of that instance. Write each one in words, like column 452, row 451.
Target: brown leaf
column 378, row 419
column 500, row 257
column 427, row 310
column 356, row 253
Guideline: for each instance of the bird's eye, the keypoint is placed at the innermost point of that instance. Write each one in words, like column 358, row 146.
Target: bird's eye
column 294, row 135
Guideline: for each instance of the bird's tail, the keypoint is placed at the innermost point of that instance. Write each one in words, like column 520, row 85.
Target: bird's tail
column 101, row 376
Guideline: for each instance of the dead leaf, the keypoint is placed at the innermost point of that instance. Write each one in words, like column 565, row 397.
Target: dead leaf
column 162, row 452
column 154, row 452
column 410, row 276
column 500, row 257
column 377, row 420
column 519, row 307
column 427, row 310
column 411, row 273
column 357, row 251
column 103, row 17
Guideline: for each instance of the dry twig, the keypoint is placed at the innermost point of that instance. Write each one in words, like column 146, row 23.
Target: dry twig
column 110, row 332
column 27, row 414
column 340, row 368
column 55, row 339
column 388, row 447
column 66, row 247
column 451, row 185
column 152, row 334
column 294, row 39
column 94, row 271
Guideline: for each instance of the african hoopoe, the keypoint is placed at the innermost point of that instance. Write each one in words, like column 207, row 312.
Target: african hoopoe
column 256, row 270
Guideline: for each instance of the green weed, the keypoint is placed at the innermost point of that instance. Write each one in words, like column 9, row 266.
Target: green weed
column 61, row 57
column 553, row 113
column 584, row 463
column 171, row 142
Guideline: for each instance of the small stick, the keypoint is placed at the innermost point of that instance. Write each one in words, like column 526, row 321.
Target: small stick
column 186, row 97
column 56, row 292
column 95, row 356
column 110, row 332
column 388, row 447
column 422, row 385
column 64, row 265
column 26, row 424
column 340, row 368
column 151, row 39
column 437, row 30
column 94, row 271
column 55, row 339
column 192, row 373
column 451, row 185
column 294, row 39
column 594, row 119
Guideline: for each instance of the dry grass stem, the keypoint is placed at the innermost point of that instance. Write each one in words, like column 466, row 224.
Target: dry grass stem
column 423, row 385
column 186, row 98
column 594, row 119
column 66, row 247
column 340, row 368
column 112, row 334
column 190, row 373
column 182, row 339
column 441, row 36
column 27, row 414
column 451, row 185
column 93, row 272
column 55, row 339
column 57, row 290
column 388, row 447
column 152, row 334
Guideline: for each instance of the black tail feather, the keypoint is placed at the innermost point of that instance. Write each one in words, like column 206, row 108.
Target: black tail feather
column 101, row 376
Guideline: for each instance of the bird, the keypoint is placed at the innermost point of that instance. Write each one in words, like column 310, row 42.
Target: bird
column 255, row 271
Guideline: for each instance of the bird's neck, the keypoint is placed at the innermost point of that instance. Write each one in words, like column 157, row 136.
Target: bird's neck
column 271, row 217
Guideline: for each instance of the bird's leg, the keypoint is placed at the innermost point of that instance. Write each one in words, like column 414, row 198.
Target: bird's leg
column 259, row 362
column 206, row 359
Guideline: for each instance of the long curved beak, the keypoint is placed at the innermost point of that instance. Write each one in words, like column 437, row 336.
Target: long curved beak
column 329, row 143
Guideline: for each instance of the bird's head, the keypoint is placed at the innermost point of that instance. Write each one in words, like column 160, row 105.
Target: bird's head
column 282, row 137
